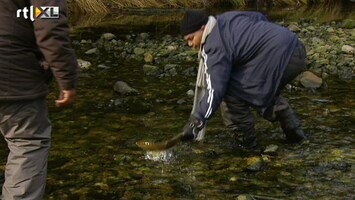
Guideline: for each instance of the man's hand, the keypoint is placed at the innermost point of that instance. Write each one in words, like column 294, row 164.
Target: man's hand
column 192, row 129
column 66, row 97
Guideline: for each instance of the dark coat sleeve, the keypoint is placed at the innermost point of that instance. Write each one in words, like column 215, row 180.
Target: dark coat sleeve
column 218, row 66
column 52, row 36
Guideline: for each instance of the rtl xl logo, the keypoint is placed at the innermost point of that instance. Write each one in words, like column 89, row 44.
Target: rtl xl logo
column 43, row 12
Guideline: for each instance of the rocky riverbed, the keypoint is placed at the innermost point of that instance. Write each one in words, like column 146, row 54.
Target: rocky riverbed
column 330, row 48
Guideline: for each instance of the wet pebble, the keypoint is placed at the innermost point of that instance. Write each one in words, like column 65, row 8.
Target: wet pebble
column 271, row 149
column 254, row 163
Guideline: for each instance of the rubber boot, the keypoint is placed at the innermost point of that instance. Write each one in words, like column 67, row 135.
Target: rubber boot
column 290, row 125
column 245, row 137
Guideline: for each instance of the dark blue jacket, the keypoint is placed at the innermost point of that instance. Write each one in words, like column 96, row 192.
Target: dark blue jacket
column 245, row 56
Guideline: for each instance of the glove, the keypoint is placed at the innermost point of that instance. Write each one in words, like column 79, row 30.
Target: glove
column 193, row 130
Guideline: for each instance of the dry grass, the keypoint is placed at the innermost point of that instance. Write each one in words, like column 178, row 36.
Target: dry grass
column 101, row 6
column 157, row 3
column 88, row 6
column 239, row 3
column 304, row 2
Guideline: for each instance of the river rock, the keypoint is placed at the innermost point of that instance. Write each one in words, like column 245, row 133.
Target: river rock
column 83, row 64
column 244, row 197
column 190, row 93
column 151, row 70
column 310, row 80
column 330, row 30
column 294, row 28
column 349, row 23
column 172, row 48
column 91, row 51
column 144, row 36
column 139, row 51
column 348, row 49
column 108, row 36
column 170, row 69
column 123, row 88
column 345, row 74
column 181, row 101
column 148, row 57
column 254, row 163
column 271, row 149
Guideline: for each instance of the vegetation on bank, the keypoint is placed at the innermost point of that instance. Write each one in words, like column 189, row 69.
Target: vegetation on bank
column 103, row 6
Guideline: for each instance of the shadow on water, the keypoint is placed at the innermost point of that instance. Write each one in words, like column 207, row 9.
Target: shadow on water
column 94, row 155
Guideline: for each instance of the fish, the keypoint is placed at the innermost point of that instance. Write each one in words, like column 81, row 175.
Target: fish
column 158, row 146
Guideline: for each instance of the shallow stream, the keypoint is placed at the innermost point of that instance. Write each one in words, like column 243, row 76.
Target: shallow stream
column 94, row 155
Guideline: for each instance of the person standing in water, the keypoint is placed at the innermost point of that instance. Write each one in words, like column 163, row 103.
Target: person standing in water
column 30, row 51
column 245, row 61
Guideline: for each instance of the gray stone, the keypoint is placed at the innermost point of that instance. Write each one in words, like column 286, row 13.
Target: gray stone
column 139, row 51
column 150, row 70
column 83, row 64
column 348, row 49
column 123, row 88
column 190, row 93
column 181, row 101
column 108, row 36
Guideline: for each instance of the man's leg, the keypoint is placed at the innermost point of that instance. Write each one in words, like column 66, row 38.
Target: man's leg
column 296, row 66
column 26, row 128
column 290, row 124
column 240, row 121
column 281, row 109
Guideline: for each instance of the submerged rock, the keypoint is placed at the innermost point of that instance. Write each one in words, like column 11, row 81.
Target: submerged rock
column 139, row 51
column 244, row 197
column 123, row 88
column 271, row 149
column 91, row 51
column 151, row 70
column 345, row 74
column 254, row 163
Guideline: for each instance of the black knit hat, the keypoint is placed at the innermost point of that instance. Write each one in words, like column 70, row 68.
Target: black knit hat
column 192, row 21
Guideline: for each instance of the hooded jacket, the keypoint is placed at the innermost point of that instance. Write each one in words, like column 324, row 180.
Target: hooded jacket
column 245, row 57
column 31, row 50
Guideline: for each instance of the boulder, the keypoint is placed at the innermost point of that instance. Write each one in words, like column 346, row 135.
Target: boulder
column 310, row 80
